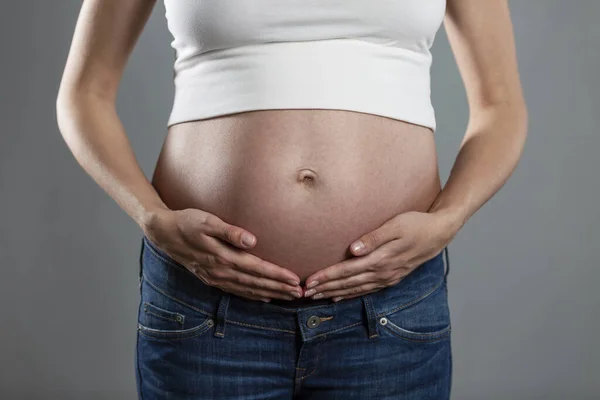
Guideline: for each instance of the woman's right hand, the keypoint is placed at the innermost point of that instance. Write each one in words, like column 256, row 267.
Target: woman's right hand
column 213, row 250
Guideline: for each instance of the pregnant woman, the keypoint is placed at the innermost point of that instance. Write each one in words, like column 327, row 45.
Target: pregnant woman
column 295, row 228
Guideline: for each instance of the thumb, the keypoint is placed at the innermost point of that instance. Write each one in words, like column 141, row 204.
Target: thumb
column 239, row 237
column 372, row 240
column 235, row 235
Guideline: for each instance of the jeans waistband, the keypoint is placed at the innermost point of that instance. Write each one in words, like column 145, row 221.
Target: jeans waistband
column 314, row 320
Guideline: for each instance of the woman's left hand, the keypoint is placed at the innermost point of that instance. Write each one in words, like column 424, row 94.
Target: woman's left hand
column 390, row 252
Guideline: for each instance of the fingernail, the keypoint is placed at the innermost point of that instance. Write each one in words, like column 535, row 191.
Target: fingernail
column 266, row 300
column 318, row 296
column 358, row 247
column 293, row 282
column 247, row 239
column 336, row 299
column 295, row 294
column 312, row 284
column 310, row 292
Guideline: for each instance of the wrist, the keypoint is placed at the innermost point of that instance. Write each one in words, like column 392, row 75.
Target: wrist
column 151, row 216
column 451, row 220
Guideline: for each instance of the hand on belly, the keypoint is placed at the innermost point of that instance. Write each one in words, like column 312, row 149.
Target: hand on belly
column 384, row 256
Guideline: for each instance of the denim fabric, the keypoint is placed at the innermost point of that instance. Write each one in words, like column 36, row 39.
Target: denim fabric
column 196, row 341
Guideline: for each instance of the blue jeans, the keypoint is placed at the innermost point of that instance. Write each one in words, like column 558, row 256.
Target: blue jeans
column 196, row 341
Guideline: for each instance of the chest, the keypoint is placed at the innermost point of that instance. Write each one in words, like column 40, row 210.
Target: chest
column 216, row 24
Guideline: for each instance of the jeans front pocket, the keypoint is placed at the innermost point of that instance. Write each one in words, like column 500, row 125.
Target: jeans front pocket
column 163, row 316
column 161, row 319
column 426, row 320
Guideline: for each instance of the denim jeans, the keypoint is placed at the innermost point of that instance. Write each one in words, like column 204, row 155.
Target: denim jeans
column 195, row 341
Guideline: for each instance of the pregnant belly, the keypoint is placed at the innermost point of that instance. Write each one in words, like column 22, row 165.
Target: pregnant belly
column 306, row 183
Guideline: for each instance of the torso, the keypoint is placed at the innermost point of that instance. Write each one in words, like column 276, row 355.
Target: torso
column 306, row 183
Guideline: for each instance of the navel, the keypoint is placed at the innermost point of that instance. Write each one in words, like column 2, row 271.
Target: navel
column 307, row 176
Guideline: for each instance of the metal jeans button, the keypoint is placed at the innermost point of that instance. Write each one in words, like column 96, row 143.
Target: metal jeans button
column 313, row 321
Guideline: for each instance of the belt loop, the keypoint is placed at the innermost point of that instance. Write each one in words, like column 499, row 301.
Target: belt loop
column 221, row 315
column 371, row 317
column 447, row 263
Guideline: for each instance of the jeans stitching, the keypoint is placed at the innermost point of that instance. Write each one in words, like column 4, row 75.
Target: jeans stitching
column 171, row 261
column 137, row 362
column 439, row 332
column 410, row 303
column 313, row 371
column 229, row 321
column 432, row 340
column 296, row 309
column 155, row 287
column 338, row 329
column 150, row 308
column 163, row 317
column 443, row 333
column 435, row 336
column 194, row 332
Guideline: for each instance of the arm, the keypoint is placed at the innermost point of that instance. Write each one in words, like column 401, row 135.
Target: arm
column 104, row 37
column 481, row 37
column 480, row 34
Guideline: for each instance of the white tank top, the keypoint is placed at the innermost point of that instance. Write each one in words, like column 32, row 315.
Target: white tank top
column 370, row 56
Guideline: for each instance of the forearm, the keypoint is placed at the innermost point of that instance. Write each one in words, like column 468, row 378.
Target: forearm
column 93, row 132
column 488, row 155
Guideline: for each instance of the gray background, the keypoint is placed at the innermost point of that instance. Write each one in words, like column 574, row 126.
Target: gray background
column 524, row 269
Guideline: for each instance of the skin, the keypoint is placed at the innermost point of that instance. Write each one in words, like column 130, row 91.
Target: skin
column 193, row 212
column 481, row 36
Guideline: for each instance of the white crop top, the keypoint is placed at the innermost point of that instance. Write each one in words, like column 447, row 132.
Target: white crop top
column 370, row 56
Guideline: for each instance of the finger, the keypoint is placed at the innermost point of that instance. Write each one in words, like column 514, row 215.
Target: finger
column 393, row 275
column 247, row 280
column 354, row 291
column 253, row 265
column 232, row 234
column 372, row 240
column 343, row 269
column 258, row 267
column 345, row 283
column 231, row 288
